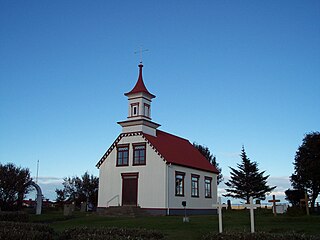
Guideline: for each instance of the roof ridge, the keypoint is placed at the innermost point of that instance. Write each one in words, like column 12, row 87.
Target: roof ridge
column 173, row 135
column 179, row 151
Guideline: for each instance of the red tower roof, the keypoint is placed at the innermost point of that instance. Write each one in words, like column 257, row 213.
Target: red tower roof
column 140, row 87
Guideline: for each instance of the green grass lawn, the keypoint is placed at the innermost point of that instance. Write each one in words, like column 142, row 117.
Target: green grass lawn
column 174, row 228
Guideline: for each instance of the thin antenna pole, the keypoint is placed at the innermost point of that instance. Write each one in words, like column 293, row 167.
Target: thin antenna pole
column 37, row 171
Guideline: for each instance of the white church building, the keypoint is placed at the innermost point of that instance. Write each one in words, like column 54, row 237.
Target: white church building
column 153, row 169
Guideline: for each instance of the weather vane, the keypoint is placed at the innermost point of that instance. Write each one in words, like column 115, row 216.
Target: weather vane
column 140, row 52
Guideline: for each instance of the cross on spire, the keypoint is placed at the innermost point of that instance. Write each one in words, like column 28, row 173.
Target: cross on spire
column 140, row 52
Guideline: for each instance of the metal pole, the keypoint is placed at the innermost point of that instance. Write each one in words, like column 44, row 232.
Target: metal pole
column 37, row 171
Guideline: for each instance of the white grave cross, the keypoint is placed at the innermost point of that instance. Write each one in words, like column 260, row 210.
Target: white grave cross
column 219, row 206
column 251, row 206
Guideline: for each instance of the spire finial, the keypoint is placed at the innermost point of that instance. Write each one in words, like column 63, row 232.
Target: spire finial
column 140, row 53
column 140, row 87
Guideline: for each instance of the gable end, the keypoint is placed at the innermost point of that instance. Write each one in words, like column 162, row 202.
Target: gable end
column 104, row 157
column 114, row 144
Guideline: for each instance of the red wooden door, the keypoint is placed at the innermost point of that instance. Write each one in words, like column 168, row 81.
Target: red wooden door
column 130, row 189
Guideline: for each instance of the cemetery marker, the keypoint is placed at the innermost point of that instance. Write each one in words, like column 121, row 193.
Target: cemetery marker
column 274, row 200
column 251, row 206
column 219, row 206
column 306, row 201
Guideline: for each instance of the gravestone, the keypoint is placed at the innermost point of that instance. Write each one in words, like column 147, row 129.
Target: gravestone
column 251, row 206
column 73, row 206
column 83, row 207
column 67, row 210
column 219, row 206
column 229, row 205
column 305, row 200
column 282, row 208
column 274, row 206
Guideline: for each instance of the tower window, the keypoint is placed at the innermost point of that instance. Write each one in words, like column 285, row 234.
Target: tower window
column 147, row 110
column 135, row 109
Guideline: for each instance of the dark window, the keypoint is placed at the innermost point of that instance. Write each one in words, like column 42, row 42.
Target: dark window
column 180, row 183
column 123, row 155
column 134, row 109
column 194, row 185
column 139, row 154
column 147, row 110
column 207, row 187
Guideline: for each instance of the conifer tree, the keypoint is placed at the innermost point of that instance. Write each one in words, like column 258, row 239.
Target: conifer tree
column 247, row 181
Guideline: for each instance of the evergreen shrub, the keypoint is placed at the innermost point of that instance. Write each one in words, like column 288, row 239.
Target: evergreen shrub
column 85, row 233
column 296, row 211
column 14, row 216
column 258, row 236
column 25, row 231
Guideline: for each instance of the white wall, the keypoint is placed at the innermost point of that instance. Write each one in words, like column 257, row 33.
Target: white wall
column 139, row 128
column 151, row 181
column 192, row 202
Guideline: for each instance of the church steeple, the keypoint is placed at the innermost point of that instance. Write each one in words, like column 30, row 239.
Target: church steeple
column 139, row 109
column 139, row 99
column 140, row 87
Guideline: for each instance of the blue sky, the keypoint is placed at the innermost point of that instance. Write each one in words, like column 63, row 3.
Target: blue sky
column 225, row 73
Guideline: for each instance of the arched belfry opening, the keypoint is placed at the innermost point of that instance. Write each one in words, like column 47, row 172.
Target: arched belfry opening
column 39, row 197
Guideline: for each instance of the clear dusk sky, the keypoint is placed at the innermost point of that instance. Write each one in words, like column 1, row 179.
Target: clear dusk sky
column 225, row 73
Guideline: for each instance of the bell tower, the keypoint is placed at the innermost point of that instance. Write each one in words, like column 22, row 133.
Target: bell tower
column 139, row 109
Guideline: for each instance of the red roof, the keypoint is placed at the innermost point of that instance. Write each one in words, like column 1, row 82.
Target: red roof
column 140, row 87
column 179, row 151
